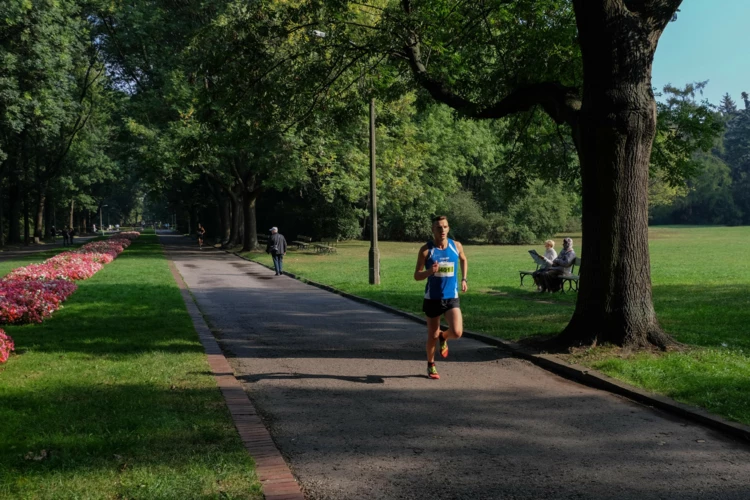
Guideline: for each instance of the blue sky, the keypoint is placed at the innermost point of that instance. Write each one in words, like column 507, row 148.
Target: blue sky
column 709, row 41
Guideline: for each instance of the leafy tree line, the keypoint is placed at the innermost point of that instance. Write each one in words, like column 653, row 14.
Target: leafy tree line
column 59, row 122
column 718, row 190
column 509, row 116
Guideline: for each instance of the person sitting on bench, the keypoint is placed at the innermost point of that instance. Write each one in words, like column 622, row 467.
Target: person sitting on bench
column 550, row 254
column 549, row 279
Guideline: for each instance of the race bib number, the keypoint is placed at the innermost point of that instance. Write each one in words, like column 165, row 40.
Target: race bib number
column 445, row 270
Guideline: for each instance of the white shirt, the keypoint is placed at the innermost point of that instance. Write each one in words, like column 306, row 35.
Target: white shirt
column 549, row 256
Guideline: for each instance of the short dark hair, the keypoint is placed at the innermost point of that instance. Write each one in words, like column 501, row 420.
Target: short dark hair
column 439, row 218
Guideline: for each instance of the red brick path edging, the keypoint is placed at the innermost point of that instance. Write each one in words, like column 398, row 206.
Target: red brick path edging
column 274, row 474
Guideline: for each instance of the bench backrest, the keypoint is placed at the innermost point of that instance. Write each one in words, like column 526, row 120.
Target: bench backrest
column 302, row 237
column 576, row 263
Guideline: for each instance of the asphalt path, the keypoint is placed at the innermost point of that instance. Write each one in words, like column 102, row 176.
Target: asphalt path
column 342, row 388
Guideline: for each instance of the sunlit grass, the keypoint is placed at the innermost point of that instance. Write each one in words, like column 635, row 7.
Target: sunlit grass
column 701, row 288
column 111, row 397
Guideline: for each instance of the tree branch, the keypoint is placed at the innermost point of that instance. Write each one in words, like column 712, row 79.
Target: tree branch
column 660, row 11
column 561, row 103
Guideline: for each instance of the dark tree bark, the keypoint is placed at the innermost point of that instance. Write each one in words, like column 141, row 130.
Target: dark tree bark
column 614, row 136
column 225, row 216
column 2, row 216
column 249, row 198
column 235, row 195
column 39, row 218
column 14, row 213
column 613, row 127
column 26, row 235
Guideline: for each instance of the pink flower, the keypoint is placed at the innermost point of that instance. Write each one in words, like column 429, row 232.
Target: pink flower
column 6, row 345
column 31, row 293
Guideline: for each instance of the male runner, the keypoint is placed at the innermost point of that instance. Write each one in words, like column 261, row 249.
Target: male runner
column 438, row 262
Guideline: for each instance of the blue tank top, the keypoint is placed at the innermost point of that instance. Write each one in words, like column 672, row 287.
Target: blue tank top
column 443, row 284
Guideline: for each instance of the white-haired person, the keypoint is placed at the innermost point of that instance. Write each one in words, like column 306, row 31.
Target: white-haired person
column 550, row 277
column 550, row 254
column 277, row 248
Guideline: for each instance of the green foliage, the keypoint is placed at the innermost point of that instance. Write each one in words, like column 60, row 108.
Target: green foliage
column 737, row 156
column 714, row 189
column 465, row 217
column 683, row 128
column 543, row 211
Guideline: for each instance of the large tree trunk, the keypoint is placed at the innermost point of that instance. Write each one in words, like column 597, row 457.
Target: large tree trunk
column 225, row 217
column 614, row 138
column 26, row 235
column 2, row 216
column 39, row 219
column 72, row 213
column 14, row 212
column 236, row 206
column 250, row 238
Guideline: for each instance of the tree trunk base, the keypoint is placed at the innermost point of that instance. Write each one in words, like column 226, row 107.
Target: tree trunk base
column 587, row 333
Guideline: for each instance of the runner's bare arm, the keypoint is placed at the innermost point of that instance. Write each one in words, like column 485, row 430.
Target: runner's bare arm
column 419, row 273
column 464, row 266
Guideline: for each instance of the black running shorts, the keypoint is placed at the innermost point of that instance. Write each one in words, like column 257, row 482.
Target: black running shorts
column 437, row 307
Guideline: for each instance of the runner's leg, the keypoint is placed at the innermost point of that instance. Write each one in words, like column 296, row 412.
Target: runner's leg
column 433, row 331
column 455, row 324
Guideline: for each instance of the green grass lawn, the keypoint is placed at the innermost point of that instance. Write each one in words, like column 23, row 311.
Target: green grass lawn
column 112, row 396
column 701, row 287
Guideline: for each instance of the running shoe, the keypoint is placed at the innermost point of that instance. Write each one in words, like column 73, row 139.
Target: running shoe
column 432, row 372
column 443, row 347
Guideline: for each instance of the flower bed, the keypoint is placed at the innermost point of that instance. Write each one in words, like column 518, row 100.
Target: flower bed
column 30, row 301
column 67, row 265
column 31, row 293
column 6, row 345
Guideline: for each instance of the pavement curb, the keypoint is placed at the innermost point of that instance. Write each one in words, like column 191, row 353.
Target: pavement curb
column 273, row 472
column 554, row 364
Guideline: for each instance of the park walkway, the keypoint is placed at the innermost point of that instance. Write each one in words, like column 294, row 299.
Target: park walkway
column 342, row 389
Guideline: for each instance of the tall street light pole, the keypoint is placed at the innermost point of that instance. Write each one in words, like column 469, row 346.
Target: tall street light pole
column 374, row 252
column 101, row 209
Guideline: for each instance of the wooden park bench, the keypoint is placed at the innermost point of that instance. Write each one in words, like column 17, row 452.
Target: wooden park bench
column 302, row 241
column 323, row 247
column 570, row 279
column 527, row 273
column 328, row 245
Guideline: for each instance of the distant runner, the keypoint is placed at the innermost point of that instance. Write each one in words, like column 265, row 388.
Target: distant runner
column 201, row 233
column 437, row 262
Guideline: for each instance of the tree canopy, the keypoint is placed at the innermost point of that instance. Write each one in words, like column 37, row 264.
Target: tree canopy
column 520, row 119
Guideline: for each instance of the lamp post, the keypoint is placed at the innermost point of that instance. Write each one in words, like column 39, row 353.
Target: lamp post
column 101, row 228
column 374, row 251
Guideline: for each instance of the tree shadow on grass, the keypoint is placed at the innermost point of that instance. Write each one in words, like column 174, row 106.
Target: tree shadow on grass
column 130, row 439
column 113, row 320
column 705, row 315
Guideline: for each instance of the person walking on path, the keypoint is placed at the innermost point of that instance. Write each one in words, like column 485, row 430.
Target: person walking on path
column 437, row 262
column 201, row 232
column 277, row 248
